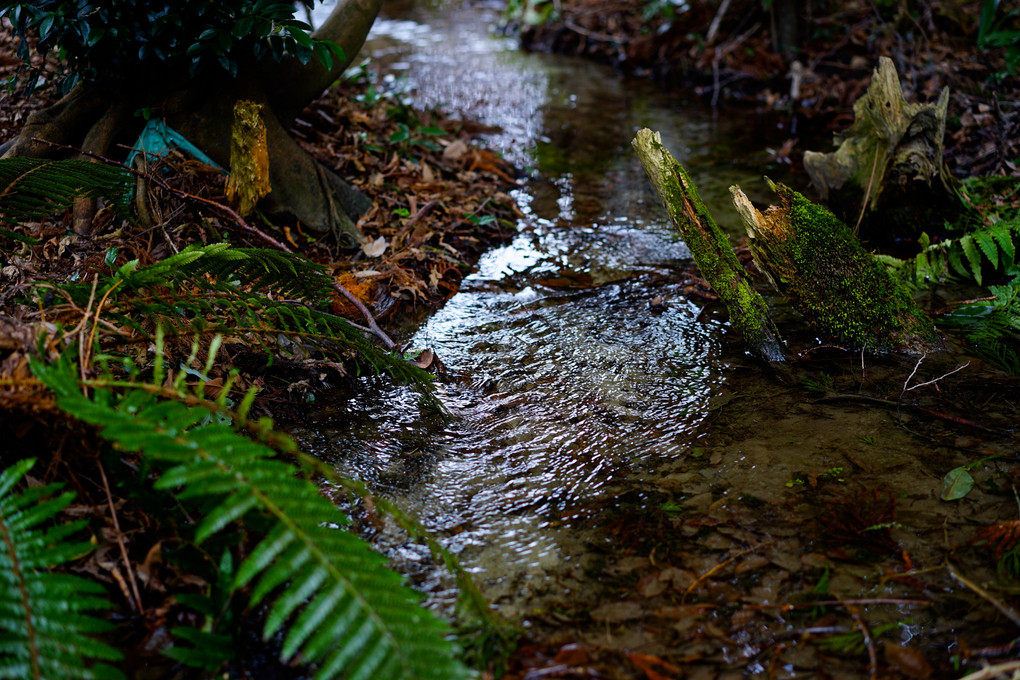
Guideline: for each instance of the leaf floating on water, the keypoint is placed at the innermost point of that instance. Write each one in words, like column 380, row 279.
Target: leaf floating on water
column 956, row 484
column 567, row 278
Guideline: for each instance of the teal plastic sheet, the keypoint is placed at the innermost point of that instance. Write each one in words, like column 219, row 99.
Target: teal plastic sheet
column 156, row 141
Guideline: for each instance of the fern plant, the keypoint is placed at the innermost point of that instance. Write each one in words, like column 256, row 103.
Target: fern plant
column 216, row 288
column 993, row 244
column 342, row 611
column 992, row 326
column 45, row 629
column 32, row 188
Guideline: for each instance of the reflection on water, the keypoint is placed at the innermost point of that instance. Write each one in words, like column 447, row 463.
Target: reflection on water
column 561, row 378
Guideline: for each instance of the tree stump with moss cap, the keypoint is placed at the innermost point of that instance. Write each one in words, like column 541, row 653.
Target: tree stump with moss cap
column 844, row 293
column 889, row 171
column 709, row 246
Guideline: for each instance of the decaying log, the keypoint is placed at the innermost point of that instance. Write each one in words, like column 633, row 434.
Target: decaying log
column 845, row 294
column 709, row 246
column 889, row 167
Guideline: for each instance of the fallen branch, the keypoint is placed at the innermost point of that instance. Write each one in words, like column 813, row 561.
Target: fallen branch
column 709, row 246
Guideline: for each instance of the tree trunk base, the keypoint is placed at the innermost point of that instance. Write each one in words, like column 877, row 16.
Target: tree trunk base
column 303, row 191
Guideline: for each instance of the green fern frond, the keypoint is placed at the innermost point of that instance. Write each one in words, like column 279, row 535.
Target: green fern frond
column 966, row 256
column 219, row 289
column 45, row 631
column 992, row 327
column 344, row 613
column 288, row 274
column 32, row 188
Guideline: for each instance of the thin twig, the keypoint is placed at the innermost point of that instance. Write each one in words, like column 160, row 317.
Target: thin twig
column 867, row 193
column 713, row 27
column 219, row 207
column 372, row 325
column 992, row 672
column 80, row 328
column 1006, row 610
column 955, row 370
column 721, row 565
column 137, row 604
column 95, row 326
column 864, row 601
column 912, row 373
column 868, row 641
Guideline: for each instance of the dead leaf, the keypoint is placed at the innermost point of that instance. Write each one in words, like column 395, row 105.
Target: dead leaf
column 375, row 248
column 653, row 584
column 908, row 660
column 645, row 663
column 456, row 150
column 427, row 175
column 572, row 655
column 752, row 563
column 424, row 359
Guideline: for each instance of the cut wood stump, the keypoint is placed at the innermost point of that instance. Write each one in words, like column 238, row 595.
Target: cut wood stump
column 709, row 246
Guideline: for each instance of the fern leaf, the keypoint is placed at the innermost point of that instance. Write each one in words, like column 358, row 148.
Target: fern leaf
column 222, row 306
column 986, row 243
column 1003, row 233
column 45, row 632
column 32, row 188
column 973, row 257
column 376, row 622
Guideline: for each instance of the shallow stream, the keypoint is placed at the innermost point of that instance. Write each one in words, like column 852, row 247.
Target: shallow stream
column 596, row 444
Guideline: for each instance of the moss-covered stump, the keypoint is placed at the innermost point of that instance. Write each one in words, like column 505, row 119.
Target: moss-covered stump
column 709, row 246
column 889, row 170
column 845, row 294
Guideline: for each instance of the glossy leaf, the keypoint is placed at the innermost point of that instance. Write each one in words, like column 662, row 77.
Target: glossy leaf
column 956, row 484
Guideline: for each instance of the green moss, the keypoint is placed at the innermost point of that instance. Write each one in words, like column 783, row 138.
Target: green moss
column 844, row 291
column 709, row 246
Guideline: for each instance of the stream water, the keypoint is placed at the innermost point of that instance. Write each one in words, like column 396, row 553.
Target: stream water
column 589, row 432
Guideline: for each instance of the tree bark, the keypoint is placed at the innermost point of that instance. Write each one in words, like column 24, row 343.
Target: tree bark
column 843, row 292
column 709, row 246
column 291, row 85
column 888, row 171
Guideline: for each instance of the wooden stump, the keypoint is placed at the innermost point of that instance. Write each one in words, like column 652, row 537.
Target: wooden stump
column 888, row 171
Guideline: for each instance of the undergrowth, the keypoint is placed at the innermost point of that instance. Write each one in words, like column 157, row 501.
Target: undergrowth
column 986, row 250
column 275, row 547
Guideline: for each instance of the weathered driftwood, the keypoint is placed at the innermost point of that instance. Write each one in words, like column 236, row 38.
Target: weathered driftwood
column 845, row 294
column 709, row 246
column 889, row 166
